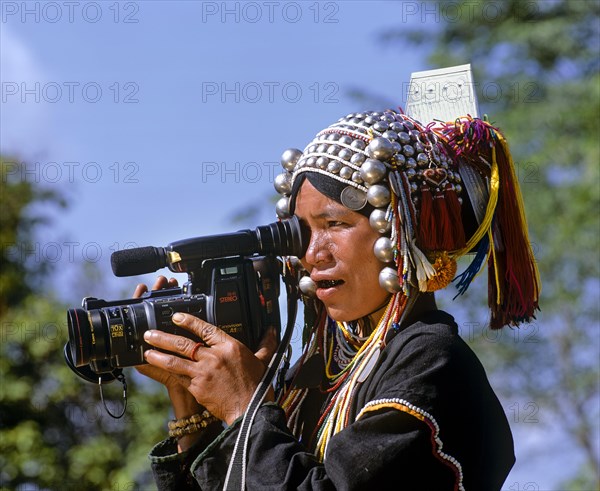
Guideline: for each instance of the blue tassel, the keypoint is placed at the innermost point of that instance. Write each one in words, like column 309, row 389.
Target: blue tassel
column 464, row 279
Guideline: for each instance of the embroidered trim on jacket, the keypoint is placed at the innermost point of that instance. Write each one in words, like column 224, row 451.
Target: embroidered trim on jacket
column 407, row 407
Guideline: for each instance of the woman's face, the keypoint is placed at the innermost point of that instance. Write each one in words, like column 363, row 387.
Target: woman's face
column 340, row 256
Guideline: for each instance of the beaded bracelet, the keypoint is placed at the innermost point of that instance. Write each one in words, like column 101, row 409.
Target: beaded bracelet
column 193, row 424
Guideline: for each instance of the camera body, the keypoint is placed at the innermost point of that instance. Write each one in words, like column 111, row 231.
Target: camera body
column 233, row 284
column 239, row 295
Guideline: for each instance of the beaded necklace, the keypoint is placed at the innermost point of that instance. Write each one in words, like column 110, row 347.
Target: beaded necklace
column 358, row 356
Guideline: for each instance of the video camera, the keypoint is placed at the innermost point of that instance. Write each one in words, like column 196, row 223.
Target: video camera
column 233, row 283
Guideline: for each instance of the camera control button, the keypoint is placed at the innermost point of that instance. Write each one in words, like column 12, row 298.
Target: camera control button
column 166, row 312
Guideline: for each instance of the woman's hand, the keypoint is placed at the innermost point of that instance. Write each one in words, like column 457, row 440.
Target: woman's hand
column 184, row 403
column 221, row 374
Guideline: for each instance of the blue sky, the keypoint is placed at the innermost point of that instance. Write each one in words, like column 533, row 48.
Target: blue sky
column 163, row 120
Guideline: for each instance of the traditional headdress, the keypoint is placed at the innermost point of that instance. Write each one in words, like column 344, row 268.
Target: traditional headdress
column 434, row 193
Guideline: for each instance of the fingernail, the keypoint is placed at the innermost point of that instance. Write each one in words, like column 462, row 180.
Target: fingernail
column 178, row 317
column 148, row 335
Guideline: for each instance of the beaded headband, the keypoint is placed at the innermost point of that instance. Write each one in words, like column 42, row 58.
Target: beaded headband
column 427, row 185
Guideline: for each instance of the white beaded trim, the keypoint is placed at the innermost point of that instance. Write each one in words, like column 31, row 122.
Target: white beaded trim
column 436, row 437
column 329, row 174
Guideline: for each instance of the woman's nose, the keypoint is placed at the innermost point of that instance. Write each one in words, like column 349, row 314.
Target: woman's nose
column 317, row 251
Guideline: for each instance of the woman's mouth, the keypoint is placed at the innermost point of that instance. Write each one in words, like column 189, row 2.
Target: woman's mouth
column 328, row 283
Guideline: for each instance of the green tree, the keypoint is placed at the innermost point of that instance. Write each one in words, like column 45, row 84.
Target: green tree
column 54, row 432
column 537, row 68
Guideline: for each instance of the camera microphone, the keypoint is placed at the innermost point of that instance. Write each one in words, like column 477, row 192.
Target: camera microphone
column 282, row 238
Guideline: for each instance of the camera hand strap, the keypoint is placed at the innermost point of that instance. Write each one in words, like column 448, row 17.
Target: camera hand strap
column 236, row 473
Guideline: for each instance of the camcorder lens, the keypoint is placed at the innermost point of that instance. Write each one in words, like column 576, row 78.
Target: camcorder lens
column 87, row 335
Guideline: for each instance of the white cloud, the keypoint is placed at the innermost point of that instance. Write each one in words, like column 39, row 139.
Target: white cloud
column 24, row 116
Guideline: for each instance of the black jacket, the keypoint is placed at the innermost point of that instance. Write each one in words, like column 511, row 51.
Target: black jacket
column 425, row 419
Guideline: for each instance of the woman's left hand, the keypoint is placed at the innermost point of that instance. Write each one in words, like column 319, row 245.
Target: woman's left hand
column 222, row 375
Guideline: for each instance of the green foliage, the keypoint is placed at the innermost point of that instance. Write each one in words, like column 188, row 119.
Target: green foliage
column 54, row 432
column 536, row 65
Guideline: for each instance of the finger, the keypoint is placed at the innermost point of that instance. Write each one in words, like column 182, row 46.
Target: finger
column 140, row 289
column 267, row 347
column 155, row 373
column 179, row 345
column 160, row 283
column 174, row 365
column 208, row 333
column 173, row 283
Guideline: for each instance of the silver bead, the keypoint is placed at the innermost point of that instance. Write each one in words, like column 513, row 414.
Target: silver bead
column 408, row 150
column 403, row 137
column 322, row 148
column 372, row 171
column 356, row 177
column 333, row 149
column 311, row 161
column 388, row 279
column 308, row 286
column 396, row 126
column 400, row 159
column 422, row 158
column 378, row 221
column 378, row 195
column 380, row 126
column 346, row 172
column 322, row 162
column 282, row 208
column 384, row 249
column 345, row 153
column 289, row 158
column 358, row 158
column 458, row 188
column 390, row 135
column 334, row 167
column 346, row 140
column 283, row 183
column 380, row 148
column 358, row 144
column 419, row 147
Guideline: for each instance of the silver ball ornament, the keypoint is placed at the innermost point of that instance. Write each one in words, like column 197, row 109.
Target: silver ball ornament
column 308, row 286
column 380, row 149
column 283, row 183
column 372, row 171
column 378, row 221
column 388, row 279
column 282, row 208
column 384, row 250
column 290, row 157
column 378, row 195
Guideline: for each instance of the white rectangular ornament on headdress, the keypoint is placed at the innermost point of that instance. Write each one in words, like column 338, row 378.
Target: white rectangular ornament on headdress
column 441, row 95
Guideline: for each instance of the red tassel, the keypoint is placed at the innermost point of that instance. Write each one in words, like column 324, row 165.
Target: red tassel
column 427, row 230
column 520, row 294
column 455, row 217
column 443, row 224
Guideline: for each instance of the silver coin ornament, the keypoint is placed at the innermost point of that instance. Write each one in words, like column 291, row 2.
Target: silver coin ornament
column 308, row 286
column 378, row 195
column 384, row 250
column 380, row 148
column 379, row 222
column 290, row 157
column 372, row 171
column 388, row 279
